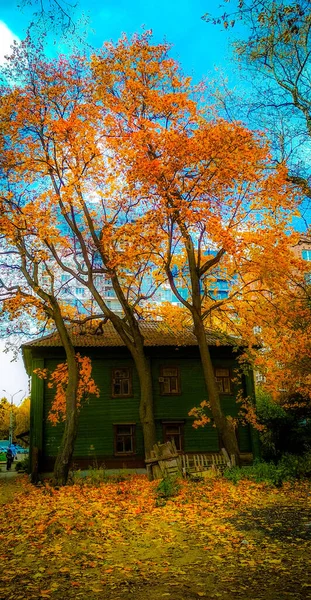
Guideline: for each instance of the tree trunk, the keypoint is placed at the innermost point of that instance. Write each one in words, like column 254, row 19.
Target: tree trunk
column 63, row 459
column 146, row 400
column 132, row 337
column 224, row 426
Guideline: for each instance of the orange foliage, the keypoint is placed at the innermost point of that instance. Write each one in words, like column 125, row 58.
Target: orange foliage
column 58, row 379
column 201, row 418
column 222, row 209
column 285, row 358
column 246, row 415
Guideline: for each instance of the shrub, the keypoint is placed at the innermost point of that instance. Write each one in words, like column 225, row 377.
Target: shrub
column 167, row 488
column 258, row 472
column 95, row 476
column 287, row 431
column 290, row 467
column 295, row 467
column 22, row 465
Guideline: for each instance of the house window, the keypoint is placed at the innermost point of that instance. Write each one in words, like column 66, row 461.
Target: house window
column 169, row 381
column 124, row 439
column 222, row 377
column 121, row 383
column 174, row 432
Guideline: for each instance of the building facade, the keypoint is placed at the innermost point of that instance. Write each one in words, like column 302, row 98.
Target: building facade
column 109, row 432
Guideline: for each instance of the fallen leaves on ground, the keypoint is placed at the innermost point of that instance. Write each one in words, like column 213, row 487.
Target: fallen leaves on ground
column 212, row 540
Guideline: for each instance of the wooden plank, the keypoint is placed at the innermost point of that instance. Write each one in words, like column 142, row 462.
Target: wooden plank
column 200, row 463
column 36, row 419
column 164, row 462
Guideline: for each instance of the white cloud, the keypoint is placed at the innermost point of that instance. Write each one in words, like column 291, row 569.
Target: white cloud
column 7, row 38
column 13, row 376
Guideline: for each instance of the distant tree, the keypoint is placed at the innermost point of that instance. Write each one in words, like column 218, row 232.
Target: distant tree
column 284, row 334
column 5, row 408
column 22, row 418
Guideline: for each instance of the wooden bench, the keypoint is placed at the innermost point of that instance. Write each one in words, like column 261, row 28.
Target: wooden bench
column 196, row 464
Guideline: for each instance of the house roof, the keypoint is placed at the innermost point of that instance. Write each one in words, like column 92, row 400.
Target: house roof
column 156, row 333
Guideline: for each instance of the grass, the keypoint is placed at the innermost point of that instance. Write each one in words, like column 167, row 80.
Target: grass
column 115, row 541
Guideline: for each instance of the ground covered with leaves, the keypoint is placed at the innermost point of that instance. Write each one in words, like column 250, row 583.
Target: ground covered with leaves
column 119, row 540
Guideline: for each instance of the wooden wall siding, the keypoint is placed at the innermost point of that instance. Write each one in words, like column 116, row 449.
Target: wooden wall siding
column 95, row 432
column 97, row 416
column 244, row 438
column 52, row 434
column 36, row 411
column 203, row 439
column 192, row 388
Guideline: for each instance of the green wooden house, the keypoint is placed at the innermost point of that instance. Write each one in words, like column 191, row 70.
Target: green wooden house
column 110, row 432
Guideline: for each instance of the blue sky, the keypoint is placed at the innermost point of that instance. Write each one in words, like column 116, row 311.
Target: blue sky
column 198, row 46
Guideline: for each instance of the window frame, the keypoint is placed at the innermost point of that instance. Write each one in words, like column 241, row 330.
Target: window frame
column 177, row 423
column 130, row 379
column 132, row 435
column 230, row 393
column 161, row 376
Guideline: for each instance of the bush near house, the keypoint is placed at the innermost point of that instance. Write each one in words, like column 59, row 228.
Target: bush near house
column 288, row 427
column 288, row 468
column 22, row 465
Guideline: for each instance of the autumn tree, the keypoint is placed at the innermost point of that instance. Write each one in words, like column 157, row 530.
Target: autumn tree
column 276, row 54
column 57, row 139
column 21, row 418
column 216, row 201
column 283, row 340
column 28, row 289
column 5, row 408
column 130, row 175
